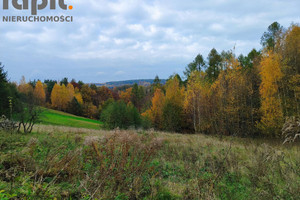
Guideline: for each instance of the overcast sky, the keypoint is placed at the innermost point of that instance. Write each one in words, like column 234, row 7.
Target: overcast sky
column 129, row 39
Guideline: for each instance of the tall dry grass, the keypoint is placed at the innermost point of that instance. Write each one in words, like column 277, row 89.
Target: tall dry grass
column 71, row 163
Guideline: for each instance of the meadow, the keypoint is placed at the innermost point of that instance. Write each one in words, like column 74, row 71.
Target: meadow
column 56, row 162
column 54, row 117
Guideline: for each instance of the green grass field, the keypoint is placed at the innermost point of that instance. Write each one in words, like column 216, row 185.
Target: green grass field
column 53, row 117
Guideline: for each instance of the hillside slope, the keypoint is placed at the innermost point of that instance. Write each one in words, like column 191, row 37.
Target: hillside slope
column 54, row 117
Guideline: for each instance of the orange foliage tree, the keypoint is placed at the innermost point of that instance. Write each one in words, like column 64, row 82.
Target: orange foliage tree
column 156, row 110
column 39, row 93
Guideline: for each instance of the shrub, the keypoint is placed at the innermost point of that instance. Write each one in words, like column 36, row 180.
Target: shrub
column 146, row 122
column 172, row 117
column 118, row 114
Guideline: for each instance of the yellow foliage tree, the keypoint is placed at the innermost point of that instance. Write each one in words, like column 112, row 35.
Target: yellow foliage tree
column 290, row 91
column 64, row 97
column 271, row 74
column 71, row 91
column 173, row 115
column 39, row 93
column 24, row 87
column 174, row 92
column 55, row 97
column 60, row 97
column 231, row 94
column 78, row 96
column 126, row 96
column 197, row 101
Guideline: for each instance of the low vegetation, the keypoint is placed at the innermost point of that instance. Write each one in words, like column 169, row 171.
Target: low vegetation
column 70, row 163
column 54, row 117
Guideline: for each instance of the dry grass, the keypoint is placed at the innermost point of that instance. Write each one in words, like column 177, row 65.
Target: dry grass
column 51, row 129
column 88, row 164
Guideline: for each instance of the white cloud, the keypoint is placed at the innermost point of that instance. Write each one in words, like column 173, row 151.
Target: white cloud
column 139, row 37
column 101, row 73
column 119, row 73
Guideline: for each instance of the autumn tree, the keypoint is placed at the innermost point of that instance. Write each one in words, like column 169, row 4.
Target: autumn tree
column 271, row 108
column 290, row 65
column 173, row 107
column 90, row 110
column 126, row 95
column 25, row 87
column 78, row 96
column 156, row 111
column 64, row 97
column 231, row 98
column 60, row 97
column 102, row 94
column 197, row 102
column 75, row 84
column 87, row 93
column 39, row 93
column 75, row 106
column 71, row 91
column 55, row 97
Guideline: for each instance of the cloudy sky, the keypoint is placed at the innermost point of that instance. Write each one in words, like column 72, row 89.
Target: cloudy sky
column 132, row 39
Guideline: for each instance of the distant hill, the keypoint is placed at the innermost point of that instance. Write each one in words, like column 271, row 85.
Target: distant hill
column 143, row 82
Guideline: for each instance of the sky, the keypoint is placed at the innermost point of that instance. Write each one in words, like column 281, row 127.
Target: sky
column 111, row 40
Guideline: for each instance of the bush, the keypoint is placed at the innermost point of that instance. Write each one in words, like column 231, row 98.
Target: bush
column 118, row 114
column 146, row 122
column 172, row 117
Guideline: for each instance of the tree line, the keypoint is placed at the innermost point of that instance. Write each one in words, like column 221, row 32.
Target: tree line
column 245, row 95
